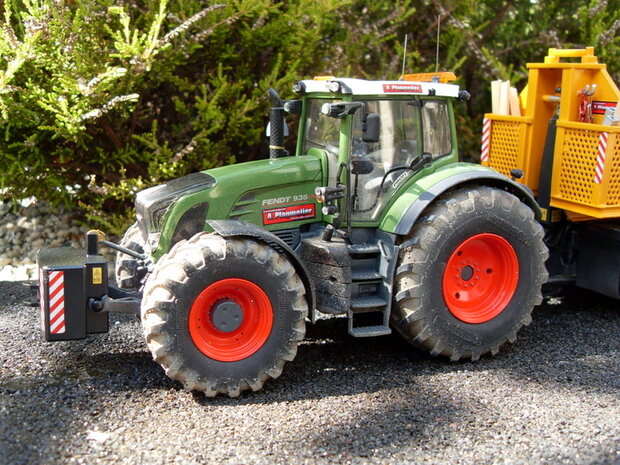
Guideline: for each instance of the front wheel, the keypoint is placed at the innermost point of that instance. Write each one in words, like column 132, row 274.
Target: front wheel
column 223, row 315
column 469, row 274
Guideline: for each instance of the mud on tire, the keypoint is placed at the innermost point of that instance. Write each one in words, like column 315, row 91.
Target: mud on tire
column 469, row 274
column 209, row 282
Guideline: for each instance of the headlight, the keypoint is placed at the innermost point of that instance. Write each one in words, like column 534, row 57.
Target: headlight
column 333, row 86
column 153, row 240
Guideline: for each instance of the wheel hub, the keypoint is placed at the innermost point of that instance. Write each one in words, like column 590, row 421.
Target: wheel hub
column 230, row 320
column 227, row 316
column 467, row 273
column 480, row 278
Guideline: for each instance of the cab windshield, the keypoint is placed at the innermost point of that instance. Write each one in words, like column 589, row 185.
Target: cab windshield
column 322, row 131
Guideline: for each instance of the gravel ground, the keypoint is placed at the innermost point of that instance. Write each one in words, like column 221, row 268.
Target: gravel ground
column 553, row 397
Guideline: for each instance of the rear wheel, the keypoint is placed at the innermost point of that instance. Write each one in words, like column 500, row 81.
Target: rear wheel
column 223, row 315
column 469, row 274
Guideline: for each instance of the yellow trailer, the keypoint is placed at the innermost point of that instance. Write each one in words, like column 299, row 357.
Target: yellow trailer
column 585, row 173
column 565, row 147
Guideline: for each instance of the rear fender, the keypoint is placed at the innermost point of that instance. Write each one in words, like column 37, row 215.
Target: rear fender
column 417, row 197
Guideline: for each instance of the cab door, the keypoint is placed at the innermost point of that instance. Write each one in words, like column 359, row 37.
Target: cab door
column 398, row 145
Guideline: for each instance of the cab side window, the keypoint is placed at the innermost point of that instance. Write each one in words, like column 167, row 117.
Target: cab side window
column 436, row 128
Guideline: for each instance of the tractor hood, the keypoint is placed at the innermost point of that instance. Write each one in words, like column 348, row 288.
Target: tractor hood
column 245, row 191
column 153, row 203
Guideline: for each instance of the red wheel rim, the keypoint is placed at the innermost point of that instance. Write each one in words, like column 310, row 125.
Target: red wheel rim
column 480, row 278
column 230, row 320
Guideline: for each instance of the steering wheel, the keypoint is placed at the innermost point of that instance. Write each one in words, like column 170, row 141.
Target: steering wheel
column 389, row 178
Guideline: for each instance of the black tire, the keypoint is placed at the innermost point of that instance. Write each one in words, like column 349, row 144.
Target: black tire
column 126, row 270
column 485, row 224
column 192, row 283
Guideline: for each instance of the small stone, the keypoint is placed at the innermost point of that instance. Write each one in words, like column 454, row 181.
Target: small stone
column 38, row 243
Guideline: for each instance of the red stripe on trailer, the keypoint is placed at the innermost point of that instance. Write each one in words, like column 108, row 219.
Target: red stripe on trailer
column 600, row 158
column 486, row 140
column 56, row 300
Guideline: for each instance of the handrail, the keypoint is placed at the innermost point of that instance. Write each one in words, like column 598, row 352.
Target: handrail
column 586, row 55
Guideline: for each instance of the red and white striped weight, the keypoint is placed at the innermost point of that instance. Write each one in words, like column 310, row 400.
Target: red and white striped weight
column 600, row 157
column 56, row 288
column 486, row 140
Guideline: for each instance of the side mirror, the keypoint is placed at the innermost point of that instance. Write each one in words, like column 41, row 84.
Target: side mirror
column 372, row 128
column 361, row 166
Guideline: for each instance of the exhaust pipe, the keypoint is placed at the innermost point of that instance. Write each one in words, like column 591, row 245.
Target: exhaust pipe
column 276, row 127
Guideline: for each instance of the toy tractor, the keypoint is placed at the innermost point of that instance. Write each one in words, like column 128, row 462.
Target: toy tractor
column 373, row 218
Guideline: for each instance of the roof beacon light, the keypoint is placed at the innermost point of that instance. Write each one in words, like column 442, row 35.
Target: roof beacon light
column 443, row 77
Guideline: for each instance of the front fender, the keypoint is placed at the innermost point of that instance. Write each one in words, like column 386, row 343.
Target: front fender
column 232, row 228
column 403, row 214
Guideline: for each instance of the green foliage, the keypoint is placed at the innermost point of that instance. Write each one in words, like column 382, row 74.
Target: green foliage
column 99, row 99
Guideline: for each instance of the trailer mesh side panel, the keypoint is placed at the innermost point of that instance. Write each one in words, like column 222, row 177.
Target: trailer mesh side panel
column 504, row 146
column 613, row 155
column 578, row 165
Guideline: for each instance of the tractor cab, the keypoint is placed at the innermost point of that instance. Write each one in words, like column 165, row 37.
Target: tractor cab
column 375, row 135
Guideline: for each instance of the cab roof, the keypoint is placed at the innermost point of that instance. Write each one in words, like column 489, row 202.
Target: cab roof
column 350, row 86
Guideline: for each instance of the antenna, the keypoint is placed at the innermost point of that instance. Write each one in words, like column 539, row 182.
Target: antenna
column 404, row 55
column 437, row 54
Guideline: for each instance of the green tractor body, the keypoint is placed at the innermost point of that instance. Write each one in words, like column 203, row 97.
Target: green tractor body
column 373, row 217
